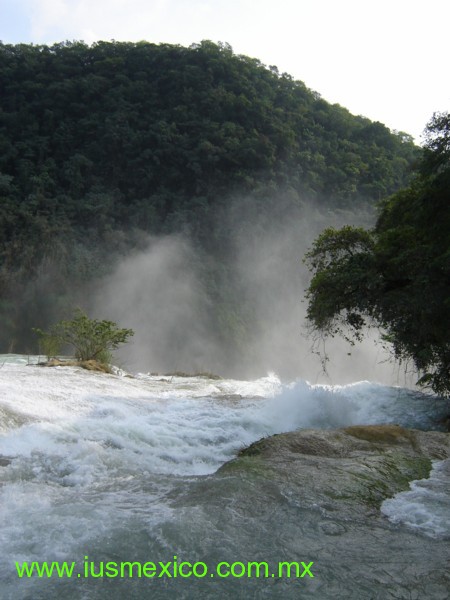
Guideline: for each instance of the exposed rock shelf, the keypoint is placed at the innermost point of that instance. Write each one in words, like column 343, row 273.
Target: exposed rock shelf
column 345, row 470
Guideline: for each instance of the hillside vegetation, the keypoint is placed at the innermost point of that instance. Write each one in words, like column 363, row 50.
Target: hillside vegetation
column 102, row 145
column 396, row 276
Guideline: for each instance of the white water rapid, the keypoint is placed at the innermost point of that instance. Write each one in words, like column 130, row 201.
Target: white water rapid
column 122, row 468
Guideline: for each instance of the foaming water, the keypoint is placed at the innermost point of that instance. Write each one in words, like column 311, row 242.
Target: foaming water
column 116, row 466
column 426, row 506
column 303, row 405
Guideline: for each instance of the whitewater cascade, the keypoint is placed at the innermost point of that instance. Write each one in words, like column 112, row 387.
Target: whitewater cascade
column 123, row 468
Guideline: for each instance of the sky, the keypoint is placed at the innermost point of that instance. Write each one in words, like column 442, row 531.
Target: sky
column 386, row 59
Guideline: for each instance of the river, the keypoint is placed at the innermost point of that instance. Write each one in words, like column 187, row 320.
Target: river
column 103, row 468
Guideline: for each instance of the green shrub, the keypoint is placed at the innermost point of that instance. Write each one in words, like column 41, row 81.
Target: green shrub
column 91, row 339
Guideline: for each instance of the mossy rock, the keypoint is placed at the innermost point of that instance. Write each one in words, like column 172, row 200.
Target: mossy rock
column 352, row 467
column 391, row 434
column 202, row 374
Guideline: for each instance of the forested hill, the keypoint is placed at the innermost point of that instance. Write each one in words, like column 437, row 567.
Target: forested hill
column 119, row 137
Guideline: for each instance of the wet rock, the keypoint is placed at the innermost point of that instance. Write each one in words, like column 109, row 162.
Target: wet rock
column 89, row 365
column 330, row 528
column 350, row 469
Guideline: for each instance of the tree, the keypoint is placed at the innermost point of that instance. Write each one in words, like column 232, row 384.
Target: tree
column 101, row 145
column 92, row 339
column 396, row 276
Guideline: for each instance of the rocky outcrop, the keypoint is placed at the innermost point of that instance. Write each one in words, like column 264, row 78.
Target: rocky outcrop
column 89, row 365
column 349, row 469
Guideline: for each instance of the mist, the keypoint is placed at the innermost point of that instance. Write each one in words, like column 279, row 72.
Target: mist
column 157, row 292
column 164, row 293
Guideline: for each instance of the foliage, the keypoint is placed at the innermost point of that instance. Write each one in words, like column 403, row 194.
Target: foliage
column 343, row 264
column 91, row 339
column 398, row 275
column 103, row 144
column 49, row 344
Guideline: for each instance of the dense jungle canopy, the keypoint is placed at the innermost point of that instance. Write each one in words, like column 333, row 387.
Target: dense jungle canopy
column 102, row 145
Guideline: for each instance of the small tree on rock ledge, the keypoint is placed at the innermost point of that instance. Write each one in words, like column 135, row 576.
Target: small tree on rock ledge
column 91, row 339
